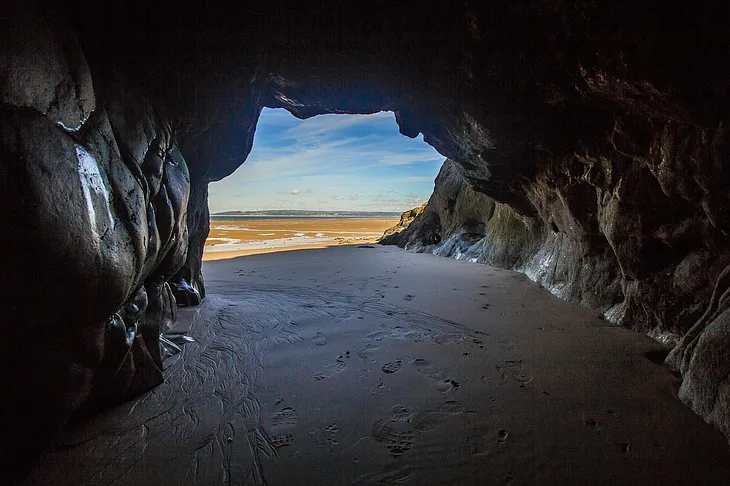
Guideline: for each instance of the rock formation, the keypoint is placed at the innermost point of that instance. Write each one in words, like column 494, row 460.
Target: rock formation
column 405, row 220
column 588, row 147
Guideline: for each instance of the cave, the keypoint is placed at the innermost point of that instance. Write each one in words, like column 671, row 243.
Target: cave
column 586, row 147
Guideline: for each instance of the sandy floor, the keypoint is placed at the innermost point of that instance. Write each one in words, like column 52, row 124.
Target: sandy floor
column 376, row 366
column 229, row 239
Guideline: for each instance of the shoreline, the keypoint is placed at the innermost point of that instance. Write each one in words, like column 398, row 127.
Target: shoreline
column 214, row 256
column 243, row 237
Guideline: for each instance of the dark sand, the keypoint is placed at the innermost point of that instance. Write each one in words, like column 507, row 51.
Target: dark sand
column 376, row 366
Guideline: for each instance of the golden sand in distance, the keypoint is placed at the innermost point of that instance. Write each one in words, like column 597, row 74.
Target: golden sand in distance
column 229, row 239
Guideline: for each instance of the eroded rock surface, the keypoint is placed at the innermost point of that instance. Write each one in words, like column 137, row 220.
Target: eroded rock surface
column 588, row 147
column 94, row 197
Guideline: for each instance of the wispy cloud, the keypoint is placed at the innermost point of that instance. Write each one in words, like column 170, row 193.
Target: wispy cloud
column 410, row 158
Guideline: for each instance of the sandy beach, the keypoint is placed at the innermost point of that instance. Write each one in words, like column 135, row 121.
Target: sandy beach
column 233, row 238
column 368, row 366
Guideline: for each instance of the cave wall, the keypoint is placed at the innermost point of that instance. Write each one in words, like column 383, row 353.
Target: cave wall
column 94, row 194
column 587, row 147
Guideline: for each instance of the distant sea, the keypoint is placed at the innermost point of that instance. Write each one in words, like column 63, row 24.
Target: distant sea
column 284, row 214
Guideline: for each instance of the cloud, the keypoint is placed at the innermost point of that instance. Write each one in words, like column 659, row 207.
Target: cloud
column 354, row 197
column 295, row 191
column 338, row 198
column 326, row 125
column 308, row 191
column 410, row 158
column 413, row 179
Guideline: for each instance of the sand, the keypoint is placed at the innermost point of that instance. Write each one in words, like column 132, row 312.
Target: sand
column 230, row 239
column 372, row 366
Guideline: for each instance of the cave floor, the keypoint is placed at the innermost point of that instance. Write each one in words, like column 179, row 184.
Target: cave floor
column 376, row 366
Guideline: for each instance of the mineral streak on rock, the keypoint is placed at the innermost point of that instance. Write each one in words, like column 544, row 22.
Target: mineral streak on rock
column 587, row 147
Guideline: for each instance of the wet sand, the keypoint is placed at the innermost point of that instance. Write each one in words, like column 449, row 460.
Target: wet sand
column 373, row 366
column 254, row 236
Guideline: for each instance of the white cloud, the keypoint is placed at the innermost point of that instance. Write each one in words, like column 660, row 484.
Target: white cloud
column 414, row 179
column 295, row 191
column 325, row 125
column 410, row 158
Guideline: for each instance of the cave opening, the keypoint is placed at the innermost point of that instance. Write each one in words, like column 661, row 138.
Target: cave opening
column 327, row 180
column 594, row 167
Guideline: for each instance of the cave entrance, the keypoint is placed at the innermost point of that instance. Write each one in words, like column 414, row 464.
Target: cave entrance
column 327, row 180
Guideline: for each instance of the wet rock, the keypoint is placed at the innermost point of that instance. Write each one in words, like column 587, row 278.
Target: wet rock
column 185, row 294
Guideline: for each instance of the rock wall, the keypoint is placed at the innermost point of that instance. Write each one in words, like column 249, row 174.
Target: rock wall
column 588, row 147
column 94, row 195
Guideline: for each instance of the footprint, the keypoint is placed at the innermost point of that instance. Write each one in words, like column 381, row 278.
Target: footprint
column 409, row 297
column 518, row 373
column 428, row 369
column 502, row 436
column 392, row 366
column 392, row 435
column 375, row 336
column 282, row 441
column 286, row 417
column 452, row 407
column 448, row 385
column 430, row 419
column 368, row 351
column 319, row 339
column 400, row 413
column 333, row 369
column 332, row 428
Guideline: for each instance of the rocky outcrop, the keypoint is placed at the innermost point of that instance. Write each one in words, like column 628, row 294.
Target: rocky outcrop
column 588, row 147
column 405, row 220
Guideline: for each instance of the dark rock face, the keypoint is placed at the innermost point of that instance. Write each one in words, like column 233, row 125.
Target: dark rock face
column 588, row 147
column 94, row 195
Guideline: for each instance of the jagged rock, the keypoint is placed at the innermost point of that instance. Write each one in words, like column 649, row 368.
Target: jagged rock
column 185, row 294
column 405, row 220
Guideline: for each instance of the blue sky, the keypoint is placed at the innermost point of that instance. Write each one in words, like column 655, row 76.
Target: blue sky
column 330, row 162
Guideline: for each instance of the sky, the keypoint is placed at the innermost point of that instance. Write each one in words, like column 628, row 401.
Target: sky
column 330, row 162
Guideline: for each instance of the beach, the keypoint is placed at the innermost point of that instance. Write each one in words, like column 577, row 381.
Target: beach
column 372, row 366
column 230, row 238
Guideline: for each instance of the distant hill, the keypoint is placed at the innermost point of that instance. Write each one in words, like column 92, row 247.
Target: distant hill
column 289, row 213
